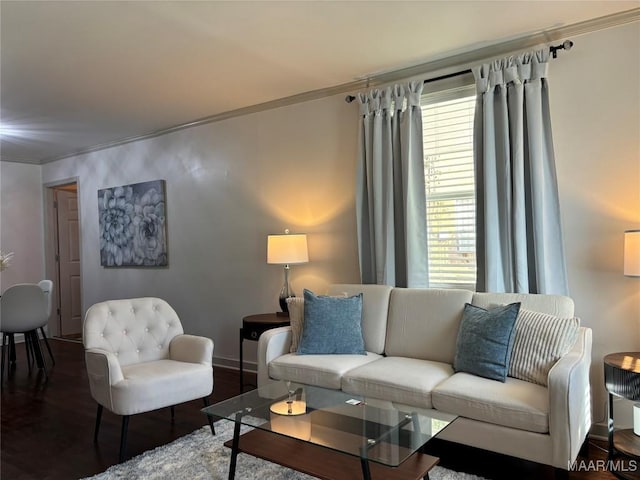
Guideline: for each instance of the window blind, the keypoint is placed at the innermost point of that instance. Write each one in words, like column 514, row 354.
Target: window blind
column 447, row 118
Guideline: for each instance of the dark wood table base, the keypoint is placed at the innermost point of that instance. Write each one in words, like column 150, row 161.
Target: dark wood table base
column 622, row 379
column 325, row 463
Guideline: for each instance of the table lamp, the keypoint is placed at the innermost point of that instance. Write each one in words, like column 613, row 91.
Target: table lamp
column 632, row 253
column 287, row 249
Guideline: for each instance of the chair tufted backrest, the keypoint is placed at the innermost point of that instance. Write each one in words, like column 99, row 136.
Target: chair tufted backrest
column 136, row 330
column 23, row 307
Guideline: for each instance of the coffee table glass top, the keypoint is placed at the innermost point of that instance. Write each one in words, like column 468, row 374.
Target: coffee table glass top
column 351, row 424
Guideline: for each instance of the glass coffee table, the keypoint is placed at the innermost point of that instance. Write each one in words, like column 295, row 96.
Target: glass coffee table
column 330, row 434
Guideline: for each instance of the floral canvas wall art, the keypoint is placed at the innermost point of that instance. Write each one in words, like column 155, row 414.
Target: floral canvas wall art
column 133, row 229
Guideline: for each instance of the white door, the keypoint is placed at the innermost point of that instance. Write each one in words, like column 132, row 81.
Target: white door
column 69, row 264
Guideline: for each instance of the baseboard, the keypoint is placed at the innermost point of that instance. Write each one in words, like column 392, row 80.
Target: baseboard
column 69, row 340
column 599, row 431
column 234, row 364
column 18, row 337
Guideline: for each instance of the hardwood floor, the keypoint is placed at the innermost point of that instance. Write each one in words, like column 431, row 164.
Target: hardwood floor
column 47, row 427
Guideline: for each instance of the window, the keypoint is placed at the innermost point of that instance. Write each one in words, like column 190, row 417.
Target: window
column 447, row 118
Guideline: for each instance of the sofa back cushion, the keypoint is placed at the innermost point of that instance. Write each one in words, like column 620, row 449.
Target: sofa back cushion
column 375, row 307
column 557, row 305
column 544, row 331
column 424, row 323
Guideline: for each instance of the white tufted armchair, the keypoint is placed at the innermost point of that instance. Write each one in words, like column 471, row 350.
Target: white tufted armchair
column 139, row 359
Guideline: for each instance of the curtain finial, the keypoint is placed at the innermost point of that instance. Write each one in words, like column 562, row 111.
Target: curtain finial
column 566, row 45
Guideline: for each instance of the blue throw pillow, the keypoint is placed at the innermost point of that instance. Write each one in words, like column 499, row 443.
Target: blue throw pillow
column 485, row 340
column 332, row 325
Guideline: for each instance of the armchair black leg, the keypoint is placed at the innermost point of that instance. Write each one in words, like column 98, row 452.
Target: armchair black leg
column 97, row 428
column 206, row 404
column 123, row 437
column 46, row 342
column 173, row 413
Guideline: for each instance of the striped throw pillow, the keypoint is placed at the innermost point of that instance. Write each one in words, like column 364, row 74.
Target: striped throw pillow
column 540, row 341
column 296, row 317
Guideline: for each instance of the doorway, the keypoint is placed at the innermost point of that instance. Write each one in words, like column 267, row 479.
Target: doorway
column 63, row 260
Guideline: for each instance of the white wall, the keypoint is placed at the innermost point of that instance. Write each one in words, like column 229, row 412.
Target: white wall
column 595, row 107
column 231, row 183
column 21, row 223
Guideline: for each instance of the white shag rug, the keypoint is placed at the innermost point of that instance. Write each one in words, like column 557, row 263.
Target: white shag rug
column 202, row 456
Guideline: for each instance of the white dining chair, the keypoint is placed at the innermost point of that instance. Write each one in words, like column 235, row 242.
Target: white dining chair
column 23, row 309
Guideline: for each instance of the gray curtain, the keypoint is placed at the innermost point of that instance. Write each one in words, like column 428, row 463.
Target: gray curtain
column 390, row 195
column 519, row 237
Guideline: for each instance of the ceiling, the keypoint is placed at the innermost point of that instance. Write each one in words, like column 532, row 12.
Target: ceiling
column 75, row 75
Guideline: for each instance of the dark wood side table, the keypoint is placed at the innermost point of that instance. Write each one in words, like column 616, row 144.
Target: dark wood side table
column 622, row 379
column 253, row 326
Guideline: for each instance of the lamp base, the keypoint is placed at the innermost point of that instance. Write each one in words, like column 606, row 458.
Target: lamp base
column 285, row 292
column 283, row 303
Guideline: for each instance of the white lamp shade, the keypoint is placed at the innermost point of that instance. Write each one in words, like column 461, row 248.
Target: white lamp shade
column 287, row 249
column 632, row 253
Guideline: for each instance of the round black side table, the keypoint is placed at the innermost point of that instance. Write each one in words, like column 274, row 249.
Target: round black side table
column 622, row 379
column 253, row 326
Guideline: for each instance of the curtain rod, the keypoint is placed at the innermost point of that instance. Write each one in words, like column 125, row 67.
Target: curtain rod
column 566, row 45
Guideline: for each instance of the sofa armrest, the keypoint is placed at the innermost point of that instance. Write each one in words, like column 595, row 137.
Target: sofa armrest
column 191, row 349
column 570, row 401
column 103, row 370
column 272, row 344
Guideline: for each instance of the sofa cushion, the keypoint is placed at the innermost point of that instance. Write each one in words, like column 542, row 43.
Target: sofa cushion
column 423, row 323
column 375, row 308
column 397, row 379
column 557, row 305
column 485, row 341
column 514, row 403
column 151, row 385
column 332, row 325
column 319, row 370
column 539, row 341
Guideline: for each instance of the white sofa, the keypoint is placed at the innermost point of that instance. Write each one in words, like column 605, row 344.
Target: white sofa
column 410, row 337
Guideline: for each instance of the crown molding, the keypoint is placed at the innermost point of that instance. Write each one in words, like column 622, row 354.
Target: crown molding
column 467, row 59
column 445, row 65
